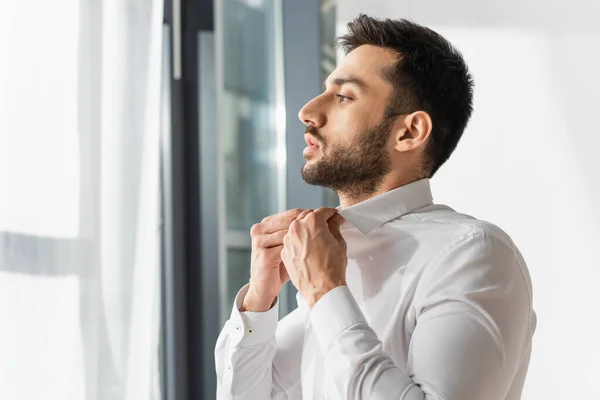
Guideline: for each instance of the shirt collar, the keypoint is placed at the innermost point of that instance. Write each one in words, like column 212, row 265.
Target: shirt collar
column 376, row 211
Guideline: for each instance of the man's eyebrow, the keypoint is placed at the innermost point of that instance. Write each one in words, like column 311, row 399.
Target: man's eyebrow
column 351, row 80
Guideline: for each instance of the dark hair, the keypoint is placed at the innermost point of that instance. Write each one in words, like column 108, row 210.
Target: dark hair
column 430, row 75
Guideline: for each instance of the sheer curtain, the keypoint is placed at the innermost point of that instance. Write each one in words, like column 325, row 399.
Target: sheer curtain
column 80, row 84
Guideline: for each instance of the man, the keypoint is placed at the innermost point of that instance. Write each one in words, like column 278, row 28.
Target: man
column 398, row 298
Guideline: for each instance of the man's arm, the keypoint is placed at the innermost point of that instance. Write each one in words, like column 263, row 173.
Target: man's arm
column 473, row 331
column 257, row 358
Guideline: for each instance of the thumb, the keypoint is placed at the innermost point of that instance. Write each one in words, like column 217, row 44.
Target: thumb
column 325, row 213
column 334, row 226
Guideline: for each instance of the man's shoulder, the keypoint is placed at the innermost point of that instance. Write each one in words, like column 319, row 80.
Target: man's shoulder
column 440, row 220
column 449, row 235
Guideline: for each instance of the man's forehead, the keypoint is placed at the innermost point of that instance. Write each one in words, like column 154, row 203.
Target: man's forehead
column 339, row 79
column 365, row 63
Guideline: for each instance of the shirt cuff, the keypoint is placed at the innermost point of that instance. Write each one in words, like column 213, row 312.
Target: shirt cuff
column 250, row 328
column 335, row 312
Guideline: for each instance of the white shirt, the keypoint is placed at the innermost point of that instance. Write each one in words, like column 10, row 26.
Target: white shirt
column 438, row 306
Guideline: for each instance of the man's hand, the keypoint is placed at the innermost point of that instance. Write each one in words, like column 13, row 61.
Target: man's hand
column 314, row 253
column 267, row 273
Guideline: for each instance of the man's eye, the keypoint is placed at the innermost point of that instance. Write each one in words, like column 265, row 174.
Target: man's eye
column 343, row 98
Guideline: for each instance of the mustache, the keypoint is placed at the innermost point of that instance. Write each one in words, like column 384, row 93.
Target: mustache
column 315, row 133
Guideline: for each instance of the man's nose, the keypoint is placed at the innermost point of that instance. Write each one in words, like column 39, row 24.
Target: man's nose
column 312, row 114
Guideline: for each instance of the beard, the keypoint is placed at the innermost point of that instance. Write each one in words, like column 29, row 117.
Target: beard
column 354, row 169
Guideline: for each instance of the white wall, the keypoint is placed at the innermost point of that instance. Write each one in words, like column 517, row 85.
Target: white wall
column 529, row 160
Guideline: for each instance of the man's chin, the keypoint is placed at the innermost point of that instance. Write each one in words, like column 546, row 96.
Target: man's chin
column 311, row 175
column 308, row 173
column 306, row 169
column 313, row 162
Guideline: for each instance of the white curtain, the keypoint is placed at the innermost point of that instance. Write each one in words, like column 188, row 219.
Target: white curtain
column 80, row 92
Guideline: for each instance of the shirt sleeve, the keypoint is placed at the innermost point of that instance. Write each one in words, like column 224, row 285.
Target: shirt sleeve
column 258, row 358
column 473, row 330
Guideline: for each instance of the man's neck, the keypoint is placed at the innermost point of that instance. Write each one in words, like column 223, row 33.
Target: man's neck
column 350, row 199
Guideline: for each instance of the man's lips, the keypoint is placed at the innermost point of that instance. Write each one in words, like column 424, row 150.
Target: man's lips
column 310, row 141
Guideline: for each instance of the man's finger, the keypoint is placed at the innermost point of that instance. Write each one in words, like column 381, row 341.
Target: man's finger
column 325, row 213
column 270, row 240
column 278, row 224
column 334, row 226
column 293, row 213
column 304, row 213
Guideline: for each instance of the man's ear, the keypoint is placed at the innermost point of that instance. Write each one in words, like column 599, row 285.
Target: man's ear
column 413, row 131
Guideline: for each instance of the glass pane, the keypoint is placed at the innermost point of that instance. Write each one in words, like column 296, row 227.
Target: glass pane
column 327, row 19
column 249, row 117
column 251, row 128
column 238, row 275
